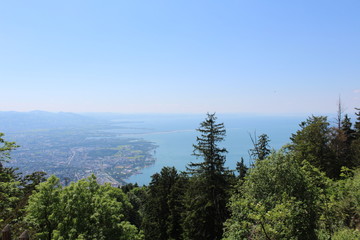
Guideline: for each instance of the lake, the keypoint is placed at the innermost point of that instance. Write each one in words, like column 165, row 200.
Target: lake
column 176, row 134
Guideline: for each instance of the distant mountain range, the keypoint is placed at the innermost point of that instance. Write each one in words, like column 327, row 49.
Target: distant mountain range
column 11, row 121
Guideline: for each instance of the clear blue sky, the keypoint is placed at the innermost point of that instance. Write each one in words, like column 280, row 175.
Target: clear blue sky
column 180, row 56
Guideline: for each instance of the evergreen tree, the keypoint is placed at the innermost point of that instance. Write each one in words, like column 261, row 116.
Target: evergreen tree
column 344, row 136
column 242, row 169
column 14, row 189
column 346, row 127
column 163, row 205
column 137, row 197
column 7, row 174
column 312, row 143
column 5, row 149
column 261, row 147
column 355, row 145
column 128, row 187
column 211, row 133
column 345, row 145
column 357, row 124
column 340, row 149
column 207, row 193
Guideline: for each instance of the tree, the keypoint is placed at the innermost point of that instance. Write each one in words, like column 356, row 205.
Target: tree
column 339, row 115
column 137, row 197
column 279, row 199
column 346, row 127
column 10, row 184
column 242, row 169
column 345, row 145
column 207, row 194
column 357, row 123
column 82, row 210
column 355, row 145
column 6, row 173
column 29, row 182
column 341, row 140
column 338, row 141
column 261, row 147
column 14, row 189
column 5, row 149
column 346, row 200
column 44, row 208
column 211, row 133
column 312, row 143
column 163, row 206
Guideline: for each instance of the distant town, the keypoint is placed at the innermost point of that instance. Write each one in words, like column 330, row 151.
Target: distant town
column 74, row 152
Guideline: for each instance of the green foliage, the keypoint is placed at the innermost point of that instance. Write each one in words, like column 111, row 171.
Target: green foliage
column 207, row 194
column 345, row 201
column 312, row 143
column 10, row 195
column 83, row 210
column 346, row 234
column 164, row 206
column 355, row 150
column 352, row 143
column 14, row 189
column 137, row 197
column 44, row 207
column 261, row 147
column 346, row 128
column 343, row 145
column 357, row 123
column 128, row 187
column 32, row 180
column 280, row 199
column 312, row 139
column 242, row 169
column 5, row 149
column 211, row 133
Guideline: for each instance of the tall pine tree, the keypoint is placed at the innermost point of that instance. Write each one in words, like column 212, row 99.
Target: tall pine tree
column 206, row 198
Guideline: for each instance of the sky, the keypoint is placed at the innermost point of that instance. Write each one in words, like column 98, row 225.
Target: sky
column 180, row 56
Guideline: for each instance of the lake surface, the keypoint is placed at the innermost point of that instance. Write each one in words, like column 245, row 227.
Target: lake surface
column 176, row 134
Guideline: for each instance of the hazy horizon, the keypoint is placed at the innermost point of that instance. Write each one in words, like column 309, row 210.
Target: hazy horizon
column 185, row 57
column 246, row 114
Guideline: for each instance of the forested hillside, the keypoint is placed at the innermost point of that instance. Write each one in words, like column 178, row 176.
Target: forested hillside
column 308, row 189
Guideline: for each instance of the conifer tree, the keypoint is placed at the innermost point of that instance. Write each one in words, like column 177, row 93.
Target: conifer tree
column 348, row 137
column 355, row 145
column 242, row 169
column 163, row 206
column 312, row 143
column 207, row 194
column 346, row 127
column 357, row 123
column 261, row 147
column 5, row 149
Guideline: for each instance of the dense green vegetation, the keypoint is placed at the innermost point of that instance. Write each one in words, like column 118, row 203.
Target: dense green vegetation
column 309, row 189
